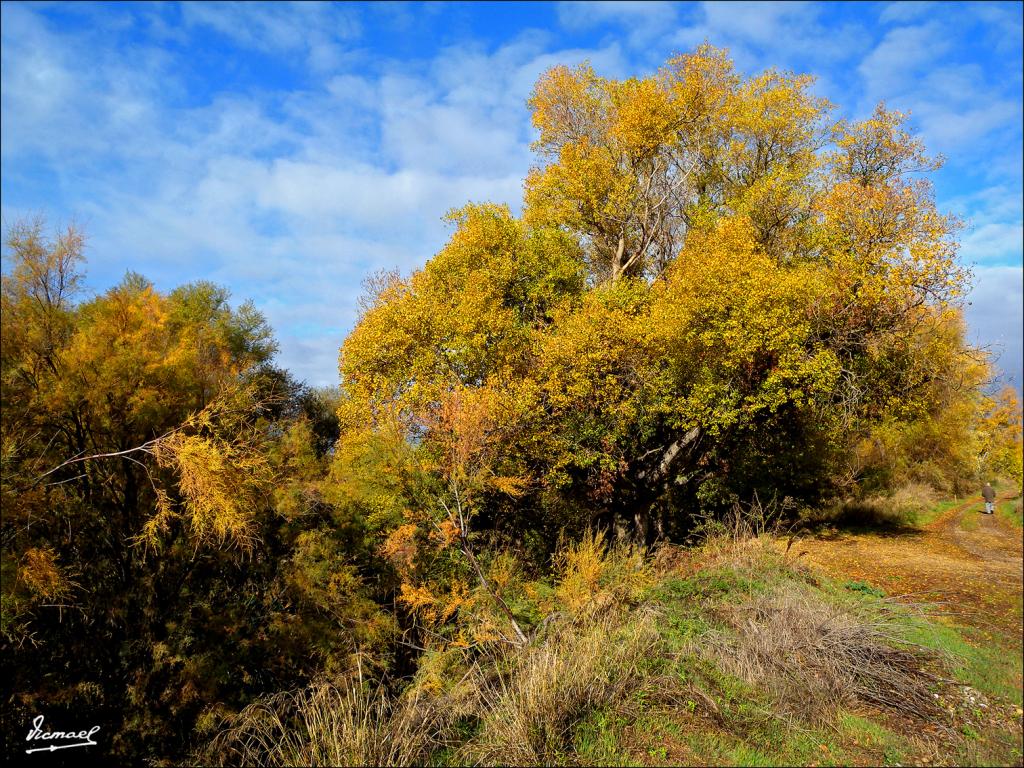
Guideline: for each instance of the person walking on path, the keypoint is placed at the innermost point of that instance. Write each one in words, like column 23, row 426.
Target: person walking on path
column 988, row 493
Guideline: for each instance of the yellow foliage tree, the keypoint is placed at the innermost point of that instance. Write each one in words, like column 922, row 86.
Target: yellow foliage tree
column 1000, row 437
column 715, row 287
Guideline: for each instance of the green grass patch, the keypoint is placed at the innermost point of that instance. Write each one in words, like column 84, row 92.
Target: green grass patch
column 1010, row 510
column 864, row 734
column 995, row 748
column 716, row 584
column 970, row 519
column 976, row 659
column 863, row 588
column 747, row 730
column 936, row 511
column 687, row 602
column 990, row 663
column 773, row 743
column 596, row 740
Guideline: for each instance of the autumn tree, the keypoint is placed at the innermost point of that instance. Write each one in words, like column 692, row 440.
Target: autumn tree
column 715, row 288
column 435, row 543
column 631, row 166
column 1000, row 436
column 169, row 548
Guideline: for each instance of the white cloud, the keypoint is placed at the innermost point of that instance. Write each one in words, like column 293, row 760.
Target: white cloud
column 994, row 318
column 905, row 10
column 642, row 21
column 1003, row 28
column 291, row 197
column 63, row 99
column 959, row 110
column 760, row 35
column 998, row 203
column 997, row 241
column 758, row 22
column 994, row 222
column 898, row 60
column 320, row 31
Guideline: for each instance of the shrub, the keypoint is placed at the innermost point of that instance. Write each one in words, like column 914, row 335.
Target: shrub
column 816, row 657
column 904, row 507
column 593, row 574
column 912, row 501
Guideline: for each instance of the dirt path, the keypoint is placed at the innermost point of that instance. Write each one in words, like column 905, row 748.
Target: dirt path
column 967, row 564
column 991, row 539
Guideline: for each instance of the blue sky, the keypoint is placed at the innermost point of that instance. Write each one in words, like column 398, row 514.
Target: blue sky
column 286, row 151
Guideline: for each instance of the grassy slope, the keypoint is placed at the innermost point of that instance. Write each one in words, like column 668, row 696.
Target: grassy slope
column 749, row 729
column 750, row 652
column 982, row 724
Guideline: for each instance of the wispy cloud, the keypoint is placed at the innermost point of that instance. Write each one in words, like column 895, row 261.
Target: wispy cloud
column 792, row 35
column 287, row 151
column 289, row 196
column 642, row 21
column 994, row 315
column 317, row 31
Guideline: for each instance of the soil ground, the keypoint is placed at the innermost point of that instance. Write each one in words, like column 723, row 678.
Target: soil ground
column 965, row 566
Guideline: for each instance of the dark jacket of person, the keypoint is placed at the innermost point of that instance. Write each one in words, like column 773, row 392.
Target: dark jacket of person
column 988, row 493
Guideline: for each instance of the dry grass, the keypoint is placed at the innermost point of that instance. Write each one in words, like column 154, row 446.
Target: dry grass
column 324, row 724
column 812, row 654
column 815, row 657
column 528, row 712
column 745, row 540
column 757, row 619
column 911, row 501
column 525, row 702
column 495, row 703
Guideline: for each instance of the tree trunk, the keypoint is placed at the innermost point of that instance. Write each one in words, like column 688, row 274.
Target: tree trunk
column 486, row 585
column 617, row 260
column 655, row 480
column 670, row 456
